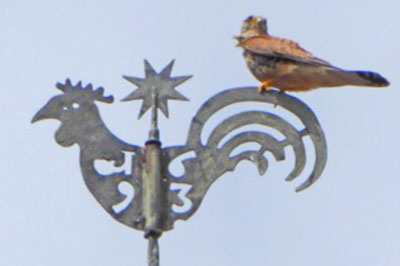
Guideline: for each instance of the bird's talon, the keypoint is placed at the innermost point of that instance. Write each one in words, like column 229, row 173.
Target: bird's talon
column 264, row 87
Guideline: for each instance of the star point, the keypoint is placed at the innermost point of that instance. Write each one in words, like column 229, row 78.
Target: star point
column 162, row 82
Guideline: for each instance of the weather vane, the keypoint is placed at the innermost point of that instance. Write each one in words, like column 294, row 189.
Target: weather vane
column 159, row 197
column 149, row 197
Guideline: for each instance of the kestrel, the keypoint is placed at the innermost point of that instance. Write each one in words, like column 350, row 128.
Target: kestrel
column 285, row 65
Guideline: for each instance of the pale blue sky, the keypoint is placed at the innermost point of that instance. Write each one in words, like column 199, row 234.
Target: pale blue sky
column 349, row 217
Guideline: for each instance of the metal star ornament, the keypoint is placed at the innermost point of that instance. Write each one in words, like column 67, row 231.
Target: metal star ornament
column 162, row 83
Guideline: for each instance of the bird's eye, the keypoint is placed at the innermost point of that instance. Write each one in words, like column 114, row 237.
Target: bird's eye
column 75, row 106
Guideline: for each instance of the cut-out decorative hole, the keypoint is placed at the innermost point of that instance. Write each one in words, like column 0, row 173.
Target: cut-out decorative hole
column 176, row 167
column 107, row 167
column 237, row 108
column 249, row 146
column 275, row 133
column 65, row 108
column 75, row 105
column 128, row 191
column 183, row 190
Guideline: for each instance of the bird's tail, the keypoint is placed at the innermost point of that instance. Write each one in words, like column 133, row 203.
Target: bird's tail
column 360, row 78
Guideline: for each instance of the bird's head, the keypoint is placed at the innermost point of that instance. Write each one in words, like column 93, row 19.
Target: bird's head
column 252, row 26
column 73, row 109
column 255, row 25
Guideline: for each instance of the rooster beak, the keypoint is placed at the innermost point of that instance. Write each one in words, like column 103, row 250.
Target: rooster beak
column 45, row 113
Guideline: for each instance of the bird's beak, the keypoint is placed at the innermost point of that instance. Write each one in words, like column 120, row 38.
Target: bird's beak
column 239, row 39
column 45, row 113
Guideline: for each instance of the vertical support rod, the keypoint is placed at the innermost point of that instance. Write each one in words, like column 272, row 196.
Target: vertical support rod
column 153, row 255
column 154, row 189
column 154, row 133
column 154, row 194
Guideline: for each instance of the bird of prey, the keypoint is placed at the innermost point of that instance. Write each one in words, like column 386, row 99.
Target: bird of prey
column 285, row 65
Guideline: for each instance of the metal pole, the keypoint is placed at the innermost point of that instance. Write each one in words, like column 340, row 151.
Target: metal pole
column 153, row 255
column 153, row 189
column 154, row 133
column 154, row 193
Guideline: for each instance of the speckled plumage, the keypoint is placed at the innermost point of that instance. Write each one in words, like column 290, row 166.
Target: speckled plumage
column 285, row 65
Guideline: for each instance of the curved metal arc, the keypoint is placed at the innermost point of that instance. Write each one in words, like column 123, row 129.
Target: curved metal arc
column 293, row 137
column 290, row 103
column 211, row 162
column 267, row 143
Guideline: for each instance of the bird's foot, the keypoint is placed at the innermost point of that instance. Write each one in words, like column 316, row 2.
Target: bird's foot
column 265, row 87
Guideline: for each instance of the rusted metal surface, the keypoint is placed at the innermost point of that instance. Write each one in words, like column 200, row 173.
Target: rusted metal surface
column 158, row 198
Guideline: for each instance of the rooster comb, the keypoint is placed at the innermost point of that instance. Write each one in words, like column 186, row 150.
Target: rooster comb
column 97, row 94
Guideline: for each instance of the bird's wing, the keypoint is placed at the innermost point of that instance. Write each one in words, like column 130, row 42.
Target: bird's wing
column 282, row 48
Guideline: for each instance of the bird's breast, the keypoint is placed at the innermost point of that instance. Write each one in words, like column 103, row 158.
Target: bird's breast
column 265, row 67
column 262, row 67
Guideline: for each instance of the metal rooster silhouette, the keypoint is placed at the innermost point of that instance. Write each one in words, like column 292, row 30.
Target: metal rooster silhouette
column 178, row 197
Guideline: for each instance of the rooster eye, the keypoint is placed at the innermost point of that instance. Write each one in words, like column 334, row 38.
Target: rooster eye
column 75, row 106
